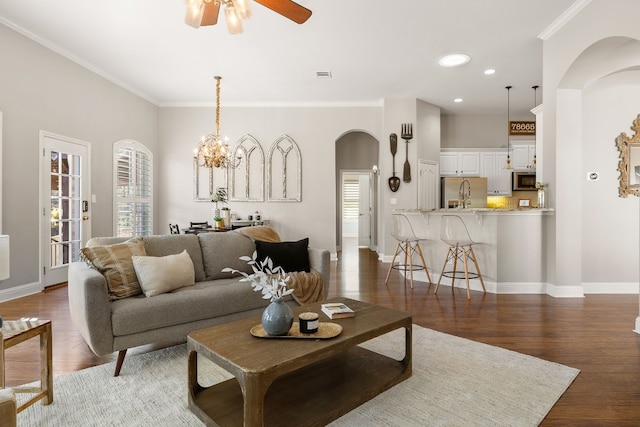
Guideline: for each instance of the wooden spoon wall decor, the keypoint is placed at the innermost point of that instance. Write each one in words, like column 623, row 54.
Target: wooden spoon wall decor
column 394, row 181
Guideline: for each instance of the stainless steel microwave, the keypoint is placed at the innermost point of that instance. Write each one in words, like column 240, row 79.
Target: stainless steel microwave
column 524, row 181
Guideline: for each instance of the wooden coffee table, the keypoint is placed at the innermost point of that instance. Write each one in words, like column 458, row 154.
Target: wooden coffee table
column 297, row 382
column 16, row 331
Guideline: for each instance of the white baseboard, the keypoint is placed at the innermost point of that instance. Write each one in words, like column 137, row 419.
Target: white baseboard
column 536, row 288
column 20, row 291
column 565, row 291
column 611, row 288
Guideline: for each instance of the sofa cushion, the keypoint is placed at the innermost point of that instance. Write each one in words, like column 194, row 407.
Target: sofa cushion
column 170, row 244
column 220, row 250
column 115, row 263
column 204, row 300
column 291, row 256
column 158, row 275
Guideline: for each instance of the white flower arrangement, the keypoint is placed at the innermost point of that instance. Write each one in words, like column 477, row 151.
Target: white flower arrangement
column 266, row 278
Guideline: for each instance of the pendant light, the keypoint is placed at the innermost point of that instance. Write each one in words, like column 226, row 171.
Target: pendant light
column 213, row 151
column 507, row 164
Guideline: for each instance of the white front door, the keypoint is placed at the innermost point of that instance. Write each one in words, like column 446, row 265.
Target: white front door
column 64, row 200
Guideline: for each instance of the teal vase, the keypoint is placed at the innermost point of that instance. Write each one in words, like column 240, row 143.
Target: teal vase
column 277, row 318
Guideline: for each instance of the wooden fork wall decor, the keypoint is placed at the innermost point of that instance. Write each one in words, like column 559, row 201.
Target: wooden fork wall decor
column 406, row 134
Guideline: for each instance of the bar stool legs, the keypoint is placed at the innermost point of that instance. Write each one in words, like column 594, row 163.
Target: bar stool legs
column 409, row 248
column 464, row 253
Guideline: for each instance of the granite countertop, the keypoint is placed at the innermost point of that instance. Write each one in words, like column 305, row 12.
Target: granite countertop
column 490, row 210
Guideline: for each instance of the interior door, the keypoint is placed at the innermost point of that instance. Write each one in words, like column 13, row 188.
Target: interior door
column 428, row 185
column 364, row 210
column 64, row 200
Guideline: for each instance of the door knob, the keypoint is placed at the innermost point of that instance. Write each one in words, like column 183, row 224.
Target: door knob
column 85, row 217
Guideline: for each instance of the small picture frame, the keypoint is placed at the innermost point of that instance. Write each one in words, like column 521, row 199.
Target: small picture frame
column 524, row 203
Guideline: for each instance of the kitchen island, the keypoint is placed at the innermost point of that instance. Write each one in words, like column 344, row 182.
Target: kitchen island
column 511, row 254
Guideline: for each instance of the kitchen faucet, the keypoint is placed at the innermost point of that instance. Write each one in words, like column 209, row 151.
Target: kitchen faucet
column 464, row 196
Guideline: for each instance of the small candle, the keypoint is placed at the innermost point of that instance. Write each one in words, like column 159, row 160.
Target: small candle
column 308, row 322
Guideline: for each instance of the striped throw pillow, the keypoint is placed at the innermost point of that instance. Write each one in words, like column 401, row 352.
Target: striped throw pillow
column 116, row 265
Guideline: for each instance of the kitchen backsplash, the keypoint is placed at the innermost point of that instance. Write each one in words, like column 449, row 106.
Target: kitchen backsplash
column 513, row 202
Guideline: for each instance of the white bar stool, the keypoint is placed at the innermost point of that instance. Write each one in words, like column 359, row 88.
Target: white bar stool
column 454, row 233
column 409, row 244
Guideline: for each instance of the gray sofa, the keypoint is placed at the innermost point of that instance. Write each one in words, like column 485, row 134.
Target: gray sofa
column 216, row 298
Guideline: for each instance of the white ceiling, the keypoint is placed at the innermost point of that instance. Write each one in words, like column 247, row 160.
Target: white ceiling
column 374, row 49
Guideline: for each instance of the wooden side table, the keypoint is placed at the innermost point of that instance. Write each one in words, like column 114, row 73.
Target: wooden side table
column 16, row 331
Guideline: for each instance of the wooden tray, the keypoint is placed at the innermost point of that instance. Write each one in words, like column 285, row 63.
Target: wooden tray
column 326, row 330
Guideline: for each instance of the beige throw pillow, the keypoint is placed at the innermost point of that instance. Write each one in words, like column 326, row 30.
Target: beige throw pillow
column 114, row 262
column 158, row 275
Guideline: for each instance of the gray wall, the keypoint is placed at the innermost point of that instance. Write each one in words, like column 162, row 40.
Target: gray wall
column 480, row 130
column 315, row 130
column 592, row 94
column 41, row 90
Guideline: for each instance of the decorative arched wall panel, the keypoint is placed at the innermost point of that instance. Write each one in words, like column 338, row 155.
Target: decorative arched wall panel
column 284, row 171
column 246, row 176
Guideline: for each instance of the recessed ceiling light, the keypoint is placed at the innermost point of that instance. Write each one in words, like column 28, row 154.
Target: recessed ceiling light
column 454, row 59
column 457, row 100
column 489, row 71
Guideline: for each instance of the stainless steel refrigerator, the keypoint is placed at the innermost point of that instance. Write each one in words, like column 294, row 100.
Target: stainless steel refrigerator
column 475, row 191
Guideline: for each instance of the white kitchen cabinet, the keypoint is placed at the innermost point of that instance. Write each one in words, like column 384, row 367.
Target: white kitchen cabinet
column 460, row 163
column 522, row 156
column 498, row 178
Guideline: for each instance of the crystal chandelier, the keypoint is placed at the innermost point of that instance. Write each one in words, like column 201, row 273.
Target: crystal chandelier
column 213, row 151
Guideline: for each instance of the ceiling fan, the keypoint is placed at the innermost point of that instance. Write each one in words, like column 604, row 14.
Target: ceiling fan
column 205, row 12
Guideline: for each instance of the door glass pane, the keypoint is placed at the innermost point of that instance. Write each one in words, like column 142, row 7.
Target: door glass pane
column 55, row 184
column 55, row 157
column 75, row 232
column 66, row 212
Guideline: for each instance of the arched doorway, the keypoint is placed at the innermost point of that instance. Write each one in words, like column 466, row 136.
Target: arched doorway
column 356, row 190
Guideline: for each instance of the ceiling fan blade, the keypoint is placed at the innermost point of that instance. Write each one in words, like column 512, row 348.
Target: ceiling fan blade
column 210, row 16
column 288, row 9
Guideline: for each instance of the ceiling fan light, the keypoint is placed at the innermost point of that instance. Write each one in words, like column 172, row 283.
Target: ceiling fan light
column 234, row 24
column 195, row 11
column 243, row 9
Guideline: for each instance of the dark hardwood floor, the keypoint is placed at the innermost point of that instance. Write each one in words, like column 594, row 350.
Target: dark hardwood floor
column 593, row 334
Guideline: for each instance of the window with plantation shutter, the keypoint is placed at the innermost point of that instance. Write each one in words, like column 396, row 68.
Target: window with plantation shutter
column 350, row 197
column 133, row 185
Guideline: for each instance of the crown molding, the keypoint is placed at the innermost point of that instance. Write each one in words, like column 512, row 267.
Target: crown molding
column 563, row 19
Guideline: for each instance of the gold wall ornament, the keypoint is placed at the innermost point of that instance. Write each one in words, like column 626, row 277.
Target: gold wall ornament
column 629, row 164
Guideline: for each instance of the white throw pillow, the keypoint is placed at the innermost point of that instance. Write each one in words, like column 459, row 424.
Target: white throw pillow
column 158, row 275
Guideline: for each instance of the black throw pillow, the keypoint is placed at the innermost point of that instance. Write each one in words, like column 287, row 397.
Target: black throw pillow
column 291, row 256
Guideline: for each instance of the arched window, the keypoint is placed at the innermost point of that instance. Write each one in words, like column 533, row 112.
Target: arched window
column 133, row 189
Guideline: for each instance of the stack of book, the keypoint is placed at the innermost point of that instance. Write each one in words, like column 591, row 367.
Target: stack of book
column 337, row 311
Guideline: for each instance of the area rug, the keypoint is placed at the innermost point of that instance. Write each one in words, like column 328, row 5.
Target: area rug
column 455, row 382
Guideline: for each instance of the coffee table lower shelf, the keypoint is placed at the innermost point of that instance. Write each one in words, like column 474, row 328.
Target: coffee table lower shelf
column 311, row 396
